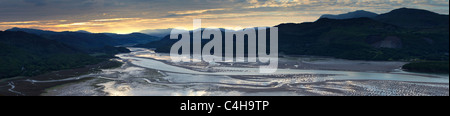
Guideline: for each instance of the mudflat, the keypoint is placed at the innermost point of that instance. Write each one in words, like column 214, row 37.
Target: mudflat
column 26, row 86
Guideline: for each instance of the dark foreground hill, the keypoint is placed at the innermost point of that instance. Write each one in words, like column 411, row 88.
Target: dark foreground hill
column 91, row 42
column 377, row 38
column 351, row 15
column 414, row 18
column 28, row 54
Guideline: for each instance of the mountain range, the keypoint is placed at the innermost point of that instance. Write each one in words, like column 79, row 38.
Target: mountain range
column 414, row 18
column 24, row 54
column 358, row 36
column 402, row 34
column 157, row 32
column 28, row 52
column 350, row 15
column 90, row 41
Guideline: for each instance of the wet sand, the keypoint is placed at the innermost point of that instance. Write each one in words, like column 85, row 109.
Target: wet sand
column 23, row 86
column 356, row 88
column 138, row 82
column 312, row 76
column 78, row 88
column 296, row 62
column 133, row 80
column 210, row 88
column 323, row 63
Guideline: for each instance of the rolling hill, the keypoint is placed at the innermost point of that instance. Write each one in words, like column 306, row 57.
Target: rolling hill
column 91, row 42
column 28, row 54
column 414, row 18
column 351, row 15
column 375, row 38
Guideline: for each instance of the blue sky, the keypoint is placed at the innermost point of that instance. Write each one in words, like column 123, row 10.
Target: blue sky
column 126, row 16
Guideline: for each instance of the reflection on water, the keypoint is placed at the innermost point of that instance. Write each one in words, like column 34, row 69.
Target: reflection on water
column 147, row 73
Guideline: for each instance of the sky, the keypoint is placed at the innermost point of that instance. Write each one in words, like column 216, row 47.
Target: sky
column 127, row 16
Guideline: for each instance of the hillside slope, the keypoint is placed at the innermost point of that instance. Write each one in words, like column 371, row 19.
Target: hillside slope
column 28, row 54
column 360, row 38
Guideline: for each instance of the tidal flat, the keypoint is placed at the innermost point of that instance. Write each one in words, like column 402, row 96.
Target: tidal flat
column 146, row 73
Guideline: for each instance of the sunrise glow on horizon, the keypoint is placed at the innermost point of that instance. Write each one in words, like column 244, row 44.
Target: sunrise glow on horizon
column 119, row 16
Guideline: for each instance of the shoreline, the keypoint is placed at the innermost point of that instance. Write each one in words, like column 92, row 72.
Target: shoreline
column 26, row 87
column 343, row 88
column 296, row 62
column 328, row 87
column 305, row 62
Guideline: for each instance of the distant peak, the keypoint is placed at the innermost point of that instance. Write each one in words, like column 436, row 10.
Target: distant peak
column 360, row 19
column 414, row 18
column 17, row 28
column 137, row 33
column 411, row 10
column 405, row 8
column 82, row 31
column 350, row 15
column 361, row 11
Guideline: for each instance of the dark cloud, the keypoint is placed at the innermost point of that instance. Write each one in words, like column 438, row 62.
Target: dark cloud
column 36, row 2
column 74, row 11
column 68, row 9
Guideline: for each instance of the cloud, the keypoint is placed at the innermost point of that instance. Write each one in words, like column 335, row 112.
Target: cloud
column 36, row 2
column 19, row 23
column 112, row 20
column 195, row 11
column 278, row 3
column 135, row 15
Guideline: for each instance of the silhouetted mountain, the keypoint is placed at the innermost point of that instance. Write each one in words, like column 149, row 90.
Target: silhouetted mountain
column 84, row 41
column 82, row 31
column 91, row 42
column 362, row 39
column 34, row 43
column 414, row 18
column 33, row 31
column 157, row 32
column 165, row 43
column 355, row 38
column 28, row 54
column 350, row 15
column 133, row 38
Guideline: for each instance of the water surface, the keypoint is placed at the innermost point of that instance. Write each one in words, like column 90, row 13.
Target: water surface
column 148, row 73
